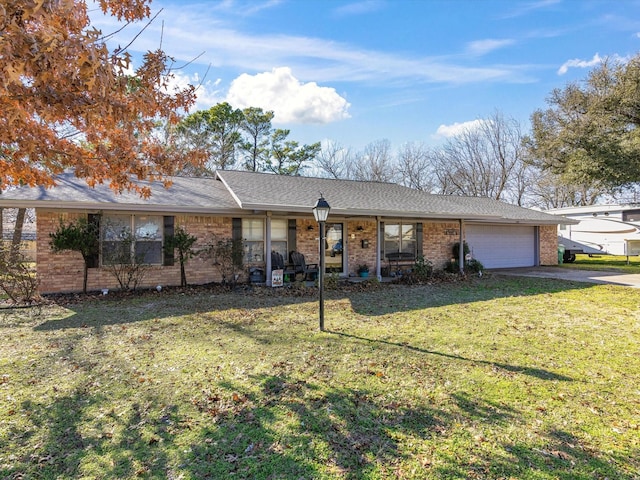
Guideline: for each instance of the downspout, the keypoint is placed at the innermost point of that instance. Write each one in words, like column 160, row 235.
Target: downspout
column 267, row 273
column 461, row 249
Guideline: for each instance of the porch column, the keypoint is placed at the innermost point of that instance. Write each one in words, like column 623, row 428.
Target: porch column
column 267, row 247
column 378, row 249
column 461, row 249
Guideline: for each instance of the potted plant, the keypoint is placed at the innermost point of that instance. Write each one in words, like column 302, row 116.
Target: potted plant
column 363, row 270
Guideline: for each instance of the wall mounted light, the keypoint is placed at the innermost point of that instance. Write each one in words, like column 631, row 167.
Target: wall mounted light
column 359, row 228
column 309, row 227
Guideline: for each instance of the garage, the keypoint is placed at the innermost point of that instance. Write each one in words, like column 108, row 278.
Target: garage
column 502, row 246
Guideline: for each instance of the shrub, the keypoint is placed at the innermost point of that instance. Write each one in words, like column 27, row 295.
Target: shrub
column 423, row 268
column 128, row 268
column 17, row 276
column 331, row 281
column 452, row 266
column 456, row 250
column 227, row 256
column 473, row 266
column 470, row 266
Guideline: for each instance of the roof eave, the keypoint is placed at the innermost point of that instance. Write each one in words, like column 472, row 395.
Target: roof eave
column 56, row 205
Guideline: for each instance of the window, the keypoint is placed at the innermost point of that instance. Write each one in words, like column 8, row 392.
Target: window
column 399, row 237
column 279, row 231
column 631, row 216
column 125, row 237
column 253, row 235
column 148, row 238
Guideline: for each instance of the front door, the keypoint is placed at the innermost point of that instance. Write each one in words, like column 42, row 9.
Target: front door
column 333, row 248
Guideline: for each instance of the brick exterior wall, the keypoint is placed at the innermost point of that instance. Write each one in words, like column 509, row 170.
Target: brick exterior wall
column 548, row 244
column 438, row 240
column 356, row 253
column 307, row 239
column 63, row 272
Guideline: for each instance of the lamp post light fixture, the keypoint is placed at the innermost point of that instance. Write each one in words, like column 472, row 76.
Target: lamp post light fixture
column 321, row 212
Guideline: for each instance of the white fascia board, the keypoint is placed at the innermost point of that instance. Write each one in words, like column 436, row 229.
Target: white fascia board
column 137, row 207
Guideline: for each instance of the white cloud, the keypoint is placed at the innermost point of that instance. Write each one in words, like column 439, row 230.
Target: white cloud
column 448, row 131
column 525, row 8
column 481, row 47
column 595, row 61
column 291, row 100
column 207, row 91
column 576, row 62
column 192, row 31
column 359, row 8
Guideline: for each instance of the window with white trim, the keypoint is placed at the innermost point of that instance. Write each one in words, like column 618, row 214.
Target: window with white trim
column 253, row 236
column 279, row 231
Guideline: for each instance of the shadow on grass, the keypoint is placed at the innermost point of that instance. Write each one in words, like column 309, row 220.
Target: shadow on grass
column 287, row 427
column 533, row 372
column 561, row 456
column 403, row 298
column 69, row 443
column 298, row 429
column 384, row 300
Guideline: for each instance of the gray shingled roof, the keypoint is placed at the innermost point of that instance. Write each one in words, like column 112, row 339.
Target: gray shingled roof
column 260, row 191
column 186, row 195
column 248, row 191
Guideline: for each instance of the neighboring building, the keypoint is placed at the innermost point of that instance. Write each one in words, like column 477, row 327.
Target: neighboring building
column 28, row 237
column 368, row 221
column 603, row 229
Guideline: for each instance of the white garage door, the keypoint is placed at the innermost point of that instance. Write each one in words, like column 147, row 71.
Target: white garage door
column 501, row 246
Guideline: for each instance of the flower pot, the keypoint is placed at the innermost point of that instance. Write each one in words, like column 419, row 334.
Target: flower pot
column 364, row 274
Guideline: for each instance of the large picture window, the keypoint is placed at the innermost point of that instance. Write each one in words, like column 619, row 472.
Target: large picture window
column 126, row 238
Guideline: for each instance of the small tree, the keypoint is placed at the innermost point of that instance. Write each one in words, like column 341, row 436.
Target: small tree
column 78, row 236
column 183, row 242
column 124, row 259
column 17, row 277
column 227, row 256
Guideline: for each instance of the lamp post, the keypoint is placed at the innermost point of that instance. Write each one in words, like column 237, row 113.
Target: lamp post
column 321, row 212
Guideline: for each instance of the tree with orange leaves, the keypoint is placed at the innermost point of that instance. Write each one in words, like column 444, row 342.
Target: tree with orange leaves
column 67, row 101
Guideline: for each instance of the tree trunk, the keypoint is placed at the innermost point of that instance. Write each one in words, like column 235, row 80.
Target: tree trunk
column 183, row 273
column 17, row 233
column 86, row 274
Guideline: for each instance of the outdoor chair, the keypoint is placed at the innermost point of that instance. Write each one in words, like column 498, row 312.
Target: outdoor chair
column 277, row 263
column 310, row 271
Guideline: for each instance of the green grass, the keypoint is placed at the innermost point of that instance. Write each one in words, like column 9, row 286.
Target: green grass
column 605, row 262
column 511, row 378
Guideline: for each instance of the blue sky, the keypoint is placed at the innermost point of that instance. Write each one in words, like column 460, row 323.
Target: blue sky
column 356, row 72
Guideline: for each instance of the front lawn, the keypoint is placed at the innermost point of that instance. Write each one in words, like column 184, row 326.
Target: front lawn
column 616, row 263
column 491, row 378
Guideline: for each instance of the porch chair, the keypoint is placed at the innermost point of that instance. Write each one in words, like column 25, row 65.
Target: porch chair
column 277, row 263
column 299, row 265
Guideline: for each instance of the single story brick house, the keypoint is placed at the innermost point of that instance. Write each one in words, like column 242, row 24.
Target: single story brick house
column 368, row 221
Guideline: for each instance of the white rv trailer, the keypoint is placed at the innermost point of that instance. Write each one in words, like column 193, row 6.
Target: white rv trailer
column 604, row 229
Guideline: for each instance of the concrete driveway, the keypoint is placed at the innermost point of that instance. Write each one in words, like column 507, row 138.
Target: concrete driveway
column 588, row 276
